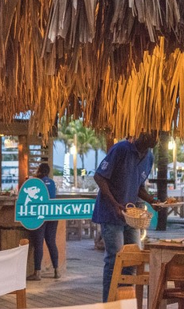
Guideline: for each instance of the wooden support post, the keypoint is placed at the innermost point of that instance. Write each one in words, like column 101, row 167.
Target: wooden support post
column 50, row 156
column 0, row 162
column 23, row 159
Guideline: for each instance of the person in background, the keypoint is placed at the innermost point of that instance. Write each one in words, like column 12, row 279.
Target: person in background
column 121, row 177
column 47, row 231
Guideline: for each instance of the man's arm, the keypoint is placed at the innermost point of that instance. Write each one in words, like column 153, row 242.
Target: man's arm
column 104, row 187
column 144, row 195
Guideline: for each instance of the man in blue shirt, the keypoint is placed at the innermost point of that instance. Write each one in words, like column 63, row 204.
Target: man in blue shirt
column 121, row 177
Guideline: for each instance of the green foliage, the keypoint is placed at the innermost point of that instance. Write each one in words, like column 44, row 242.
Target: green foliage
column 180, row 153
column 57, row 172
column 180, row 150
column 78, row 172
column 10, row 157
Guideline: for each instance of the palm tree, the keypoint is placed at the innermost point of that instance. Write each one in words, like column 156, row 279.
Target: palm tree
column 99, row 143
column 65, row 136
column 65, row 133
column 85, row 137
column 85, row 140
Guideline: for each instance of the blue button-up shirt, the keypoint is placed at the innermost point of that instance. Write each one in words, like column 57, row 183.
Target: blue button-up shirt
column 125, row 171
column 50, row 186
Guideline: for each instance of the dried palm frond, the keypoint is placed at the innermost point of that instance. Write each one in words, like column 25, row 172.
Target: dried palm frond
column 117, row 63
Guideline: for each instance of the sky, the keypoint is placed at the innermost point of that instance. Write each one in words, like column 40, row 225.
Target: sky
column 89, row 160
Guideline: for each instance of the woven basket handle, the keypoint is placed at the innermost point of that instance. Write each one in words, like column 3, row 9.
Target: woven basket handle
column 132, row 205
column 126, row 207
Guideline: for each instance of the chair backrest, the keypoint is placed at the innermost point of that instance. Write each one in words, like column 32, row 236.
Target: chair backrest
column 130, row 255
column 13, row 266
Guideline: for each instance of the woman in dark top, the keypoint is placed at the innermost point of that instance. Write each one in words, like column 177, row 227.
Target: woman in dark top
column 47, row 231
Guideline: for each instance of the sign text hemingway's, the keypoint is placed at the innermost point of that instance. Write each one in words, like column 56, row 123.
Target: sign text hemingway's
column 52, row 209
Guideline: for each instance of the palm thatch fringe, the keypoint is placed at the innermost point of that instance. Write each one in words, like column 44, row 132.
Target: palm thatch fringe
column 119, row 63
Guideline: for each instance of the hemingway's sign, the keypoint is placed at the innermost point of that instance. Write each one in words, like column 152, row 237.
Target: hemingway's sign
column 34, row 206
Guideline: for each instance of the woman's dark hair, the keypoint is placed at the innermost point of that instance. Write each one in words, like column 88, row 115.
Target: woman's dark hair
column 43, row 170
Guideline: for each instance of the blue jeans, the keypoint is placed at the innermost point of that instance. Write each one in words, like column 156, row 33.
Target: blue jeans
column 115, row 236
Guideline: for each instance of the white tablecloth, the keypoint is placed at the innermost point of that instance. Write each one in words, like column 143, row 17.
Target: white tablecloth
column 120, row 304
column 13, row 264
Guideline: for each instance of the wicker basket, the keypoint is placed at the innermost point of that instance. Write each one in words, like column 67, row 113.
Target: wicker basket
column 137, row 217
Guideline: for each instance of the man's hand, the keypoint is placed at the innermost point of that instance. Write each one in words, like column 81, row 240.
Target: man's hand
column 143, row 194
column 155, row 207
column 119, row 209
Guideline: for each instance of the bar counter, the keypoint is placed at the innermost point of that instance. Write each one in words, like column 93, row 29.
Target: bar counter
column 7, row 204
column 11, row 232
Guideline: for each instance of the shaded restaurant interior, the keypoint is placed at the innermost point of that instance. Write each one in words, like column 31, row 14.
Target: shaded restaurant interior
column 117, row 65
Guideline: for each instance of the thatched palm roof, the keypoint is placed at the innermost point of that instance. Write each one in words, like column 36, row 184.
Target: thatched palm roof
column 118, row 63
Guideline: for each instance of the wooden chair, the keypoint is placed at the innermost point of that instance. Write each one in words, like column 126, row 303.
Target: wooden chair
column 172, row 271
column 130, row 255
column 13, row 266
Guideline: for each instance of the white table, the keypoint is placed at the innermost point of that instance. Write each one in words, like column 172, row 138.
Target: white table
column 120, row 304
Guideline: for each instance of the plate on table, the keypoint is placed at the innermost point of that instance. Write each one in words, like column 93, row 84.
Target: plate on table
column 168, row 205
column 174, row 240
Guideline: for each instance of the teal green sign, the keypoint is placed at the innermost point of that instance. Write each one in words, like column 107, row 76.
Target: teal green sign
column 34, row 206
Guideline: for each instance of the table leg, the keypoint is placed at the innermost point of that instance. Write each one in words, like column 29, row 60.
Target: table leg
column 154, row 272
